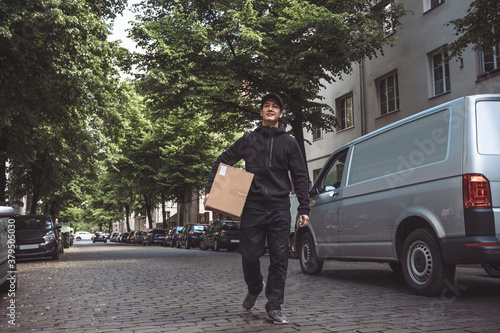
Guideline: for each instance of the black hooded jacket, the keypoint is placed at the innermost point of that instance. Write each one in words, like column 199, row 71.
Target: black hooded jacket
column 269, row 153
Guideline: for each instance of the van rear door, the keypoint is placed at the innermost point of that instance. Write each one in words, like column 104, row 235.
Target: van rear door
column 486, row 159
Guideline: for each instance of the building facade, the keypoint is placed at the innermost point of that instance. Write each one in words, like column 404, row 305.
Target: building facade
column 408, row 78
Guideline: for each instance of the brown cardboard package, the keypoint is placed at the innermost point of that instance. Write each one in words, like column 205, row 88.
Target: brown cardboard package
column 229, row 190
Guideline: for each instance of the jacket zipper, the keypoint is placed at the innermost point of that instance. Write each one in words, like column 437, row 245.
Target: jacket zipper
column 269, row 165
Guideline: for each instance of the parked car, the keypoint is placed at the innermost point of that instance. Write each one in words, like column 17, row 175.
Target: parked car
column 7, row 265
column 123, row 237
column 99, row 237
column 422, row 194
column 36, row 236
column 154, row 236
column 172, row 236
column 221, row 234
column 83, row 235
column 131, row 237
column 191, row 235
column 139, row 237
column 114, row 236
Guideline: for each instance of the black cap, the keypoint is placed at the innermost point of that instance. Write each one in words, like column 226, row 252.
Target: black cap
column 276, row 97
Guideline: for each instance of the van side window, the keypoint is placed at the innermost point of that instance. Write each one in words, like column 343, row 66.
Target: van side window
column 333, row 177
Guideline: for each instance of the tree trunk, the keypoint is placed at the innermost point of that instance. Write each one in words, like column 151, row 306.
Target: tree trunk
column 127, row 217
column 298, row 133
column 3, row 165
column 163, row 211
column 148, row 210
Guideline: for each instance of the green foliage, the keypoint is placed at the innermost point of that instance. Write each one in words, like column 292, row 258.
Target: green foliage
column 58, row 94
column 480, row 27
column 225, row 55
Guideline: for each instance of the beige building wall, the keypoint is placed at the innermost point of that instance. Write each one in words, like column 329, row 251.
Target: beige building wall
column 423, row 32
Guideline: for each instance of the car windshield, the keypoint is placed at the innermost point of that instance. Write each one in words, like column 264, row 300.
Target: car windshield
column 230, row 226
column 33, row 223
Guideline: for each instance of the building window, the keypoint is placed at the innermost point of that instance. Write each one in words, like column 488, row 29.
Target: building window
column 490, row 62
column 345, row 112
column 317, row 134
column 440, row 73
column 315, row 174
column 388, row 92
column 382, row 11
column 430, row 4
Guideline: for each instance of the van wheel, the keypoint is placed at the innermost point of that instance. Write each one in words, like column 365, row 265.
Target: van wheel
column 308, row 262
column 293, row 247
column 493, row 270
column 424, row 270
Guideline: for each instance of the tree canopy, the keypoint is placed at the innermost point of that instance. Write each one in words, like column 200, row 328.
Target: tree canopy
column 225, row 55
column 480, row 27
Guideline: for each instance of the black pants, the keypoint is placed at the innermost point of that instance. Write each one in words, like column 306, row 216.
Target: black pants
column 256, row 225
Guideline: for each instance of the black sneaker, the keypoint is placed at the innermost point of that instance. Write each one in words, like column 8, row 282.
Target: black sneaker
column 277, row 317
column 250, row 300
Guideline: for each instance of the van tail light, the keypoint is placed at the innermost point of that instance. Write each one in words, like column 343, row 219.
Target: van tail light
column 477, row 192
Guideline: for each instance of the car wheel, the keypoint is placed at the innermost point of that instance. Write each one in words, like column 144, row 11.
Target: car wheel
column 216, row 245
column 293, row 248
column 202, row 245
column 186, row 244
column 493, row 270
column 424, row 269
column 56, row 256
column 308, row 262
column 78, row 239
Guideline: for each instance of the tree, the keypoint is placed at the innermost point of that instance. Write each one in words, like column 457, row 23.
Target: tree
column 225, row 55
column 58, row 83
column 479, row 27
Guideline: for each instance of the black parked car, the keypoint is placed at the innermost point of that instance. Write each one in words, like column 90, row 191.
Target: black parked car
column 154, row 236
column 123, row 237
column 36, row 236
column 99, row 237
column 172, row 236
column 191, row 235
column 221, row 234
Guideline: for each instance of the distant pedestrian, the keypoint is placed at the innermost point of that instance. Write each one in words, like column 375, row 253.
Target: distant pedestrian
column 271, row 155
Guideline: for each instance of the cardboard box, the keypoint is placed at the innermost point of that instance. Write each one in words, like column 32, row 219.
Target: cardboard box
column 229, row 191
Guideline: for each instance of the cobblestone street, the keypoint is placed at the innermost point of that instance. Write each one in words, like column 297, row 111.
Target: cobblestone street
column 132, row 288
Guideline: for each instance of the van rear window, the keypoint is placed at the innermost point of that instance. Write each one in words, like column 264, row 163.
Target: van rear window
column 488, row 127
column 421, row 142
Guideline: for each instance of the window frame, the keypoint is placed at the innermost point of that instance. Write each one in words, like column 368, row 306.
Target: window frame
column 317, row 134
column 443, row 69
column 341, row 119
column 384, row 103
column 495, row 61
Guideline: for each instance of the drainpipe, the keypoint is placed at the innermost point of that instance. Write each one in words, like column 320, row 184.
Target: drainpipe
column 362, row 96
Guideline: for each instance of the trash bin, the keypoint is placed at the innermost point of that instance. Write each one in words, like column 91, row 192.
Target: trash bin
column 65, row 239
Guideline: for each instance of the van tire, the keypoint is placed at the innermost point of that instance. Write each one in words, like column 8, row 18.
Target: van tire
column 308, row 262
column 424, row 269
column 493, row 270
column 293, row 247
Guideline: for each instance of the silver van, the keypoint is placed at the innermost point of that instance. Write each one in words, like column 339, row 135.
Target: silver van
column 422, row 194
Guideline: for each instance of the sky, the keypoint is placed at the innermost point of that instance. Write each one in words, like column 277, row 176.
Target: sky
column 121, row 25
